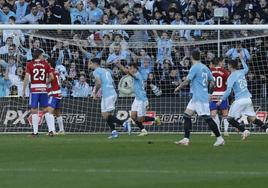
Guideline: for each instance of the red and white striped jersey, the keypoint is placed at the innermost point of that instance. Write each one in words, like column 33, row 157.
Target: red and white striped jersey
column 220, row 75
column 38, row 71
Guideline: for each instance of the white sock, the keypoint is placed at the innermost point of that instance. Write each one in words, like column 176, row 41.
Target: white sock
column 219, row 138
column 217, row 121
column 35, row 120
column 60, row 123
column 226, row 125
column 50, row 122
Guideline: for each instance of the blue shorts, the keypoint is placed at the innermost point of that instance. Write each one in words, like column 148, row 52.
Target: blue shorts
column 224, row 105
column 54, row 102
column 38, row 98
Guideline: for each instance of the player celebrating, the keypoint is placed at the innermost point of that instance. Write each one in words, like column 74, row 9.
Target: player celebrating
column 54, row 93
column 200, row 78
column 242, row 104
column 138, row 108
column 220, row 76
column 104, row 80
column 39, row 73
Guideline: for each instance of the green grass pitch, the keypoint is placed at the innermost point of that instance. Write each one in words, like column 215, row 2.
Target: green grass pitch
column 78, row 161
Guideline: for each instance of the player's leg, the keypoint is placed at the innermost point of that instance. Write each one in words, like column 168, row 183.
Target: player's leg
column 49, row 105
column 225, row 121
column 59, row 119
column 203, row 110
column 214, row 113
column 151, row 119
column 234, row 114
column 189, row 112
column 107, row 108
column 33, row 102
column 249, row 111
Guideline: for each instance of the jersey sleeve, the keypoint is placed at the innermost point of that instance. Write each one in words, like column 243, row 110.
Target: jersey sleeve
column 96, row 74
column 192, row 73
column 210, row 76
column 245, row 67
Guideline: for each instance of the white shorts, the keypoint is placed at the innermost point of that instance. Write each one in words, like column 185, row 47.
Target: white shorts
column 201, row 108
column 241, row 107
column 108, row 104
column 139, row 107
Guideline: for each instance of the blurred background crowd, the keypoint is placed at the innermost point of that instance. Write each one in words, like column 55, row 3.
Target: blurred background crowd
column 163, row 56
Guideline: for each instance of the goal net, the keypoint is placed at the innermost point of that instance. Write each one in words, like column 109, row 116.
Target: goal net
column 163, row 56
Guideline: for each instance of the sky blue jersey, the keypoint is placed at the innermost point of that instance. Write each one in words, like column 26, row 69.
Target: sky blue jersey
column 107, row 82
column 139, row 90
column 237, row 81
column 200, row 76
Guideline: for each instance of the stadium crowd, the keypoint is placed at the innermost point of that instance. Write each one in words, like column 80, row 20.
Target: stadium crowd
column 162, row 63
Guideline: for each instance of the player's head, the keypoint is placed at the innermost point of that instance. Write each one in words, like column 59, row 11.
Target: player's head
column 95, row 62
column 38, row 54
column 218, row 62
column 195, row 55
column 51, row 63
column 133, row 68
column 232, row 65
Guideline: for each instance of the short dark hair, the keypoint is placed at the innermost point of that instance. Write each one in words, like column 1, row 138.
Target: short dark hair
column 95, row 2
column 37, row 53
column 52, row 62
column 217, row 60
column 135, row 65
column 196, row 55
column 12, row 18
column 96, row 61
column 233, row 63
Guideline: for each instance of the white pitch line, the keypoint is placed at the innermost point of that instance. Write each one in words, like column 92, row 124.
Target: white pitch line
column 135, row 171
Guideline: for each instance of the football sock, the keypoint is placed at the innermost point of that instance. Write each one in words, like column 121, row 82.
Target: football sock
column 213, row 126
column 110, row 122
column 35, row 120
column 187, row 126
column 235, row 124
column 260, row 124
column 139, row 124
column 225, row 124
column 60, row 123
column 115, row 120
column 50, row 119
column 148, row 119
column 217, row 121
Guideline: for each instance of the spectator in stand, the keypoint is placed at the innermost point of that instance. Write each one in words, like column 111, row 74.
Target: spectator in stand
column 79, row 14
column 34, row 17
column 4, row 82
column 17, row 80
column 12, row 65
column 178, row 21
column 52, row 13
column 8, row 43
column 66, row 15
column 5, row 13
column 16, row 34
column 118, row 54
column 11, row 52
column 81, row 88
column 233, row 53
column 153, row 86
column 95, row 13
column 21, row 9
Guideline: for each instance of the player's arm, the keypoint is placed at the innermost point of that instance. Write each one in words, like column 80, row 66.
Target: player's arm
column 124, row 69
column 245, row 66
column 183, row 84
column 50, row 77
column 97, row 87
column 227, row 92
column 211, row 83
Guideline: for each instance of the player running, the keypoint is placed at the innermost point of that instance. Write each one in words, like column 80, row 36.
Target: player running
column 139, row 106
column 104, row 80
column 54, row 100
column 38, row 72
column 200, row 78
column 242, row 104
column 220, row 76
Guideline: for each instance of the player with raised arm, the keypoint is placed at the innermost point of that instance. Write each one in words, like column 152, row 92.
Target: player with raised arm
column 220, row 76
column 201, row 79
column 38, row 72
column 243, row 103
column 54, row 100
column 104, row 80
column 139, row 106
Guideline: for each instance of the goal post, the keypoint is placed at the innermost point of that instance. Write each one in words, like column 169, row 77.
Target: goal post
column 162, row 52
